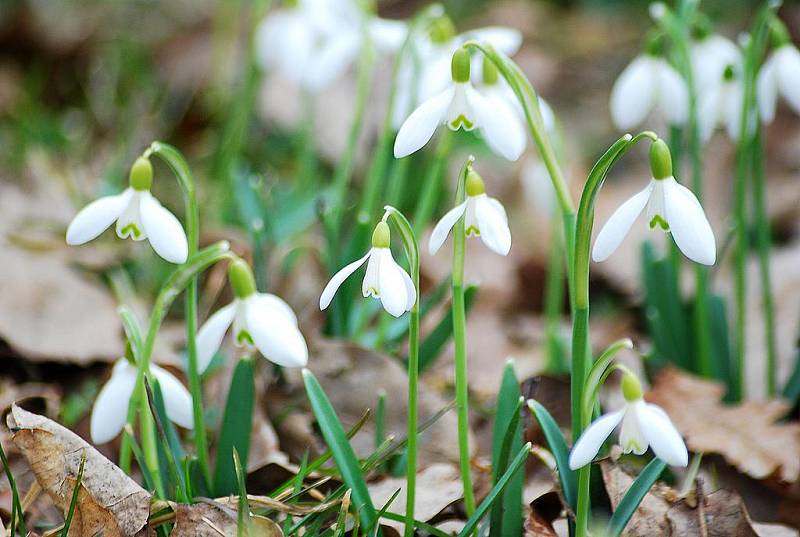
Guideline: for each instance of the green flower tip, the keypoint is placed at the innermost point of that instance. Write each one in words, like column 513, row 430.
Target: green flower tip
column 474, row 184
column 660, row 160
column 701, row 27
column 631, row 387
column 381, row 237
column 654, row 44
column 141, row 176
column 442, row 30
column 778, row 33
column 460, row 65
column 241, row 278
column 489, row 72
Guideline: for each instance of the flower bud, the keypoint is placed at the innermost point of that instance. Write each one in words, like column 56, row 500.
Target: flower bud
column 660, row 160
column 474, row 184
column 460, row 66
column 141, row 176
column 241, row 278
column 381, row 237
column 631, row 387
column 489, row 72
column 442, row 30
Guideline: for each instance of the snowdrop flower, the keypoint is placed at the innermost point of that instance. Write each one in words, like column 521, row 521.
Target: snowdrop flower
column 643, row 424
column 780, row 74
column 138, row 214
column 721, row 104
column 483, row 216
column 384, row 279
column 710, row 55
column 262, row 320
column 110, row 409
column 649, row 83
column 670, row 206
column 461, row 106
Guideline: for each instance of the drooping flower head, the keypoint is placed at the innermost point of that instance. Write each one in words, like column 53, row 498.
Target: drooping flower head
column 484, row 217
column 643, row 425
column 780, row 75
column 720, row 105
column 669, row 206
column 138, row 214
column 384, row 279
column 710, row 54
column 260, row 320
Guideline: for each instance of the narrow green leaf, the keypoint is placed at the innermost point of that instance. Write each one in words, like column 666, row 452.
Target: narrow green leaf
column 171, row 472
column 634, row 496
column 342, row 518
column 501, row 484
column 598, row 373
column 236, row 426
column 791, row 391
column 133, row 330
column 343, row 453
column 382, row 512
column 243, row 523
column 17, row 515
column 558, row 446
column 420, row 525
column 76, row 489
column 506, row 516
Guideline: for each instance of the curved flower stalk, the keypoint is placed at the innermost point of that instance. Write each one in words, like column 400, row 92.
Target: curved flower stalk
column 384, row 279
column 313, row 42
column 461, row 106
column 643, row 425
column 721, row 105
column 262, row 320
column 649, row 84
column 110, row 409
column 780, row 75
column 138, row 215
column 484, row 217
column 670, row 206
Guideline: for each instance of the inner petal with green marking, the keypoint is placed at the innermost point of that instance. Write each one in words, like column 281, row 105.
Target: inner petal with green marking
column 461, row 121
column 657, row 220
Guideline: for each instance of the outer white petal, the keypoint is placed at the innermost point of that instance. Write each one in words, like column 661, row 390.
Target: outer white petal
column 210, row 335
column 708, row 109
column 278, row 304
column 688, row 223
column 419, row 127
column 411, row 291
column 662, row 436
column 631, row 437
column 617, row 227
column 493, row 226
column 110, row 409
column 592, row 439
column 634, row 93
column 788, row 75
column 388, row 35
column 733, row 110
column 506, row 40
column 443, row 227
column 95, row 218
column 393, row 291
column 164, row 231
column 177, row 400
column 276, row 337
column 501, row 126
column 767, row 88
column 673, row 94
column 338, row 53
column 336, row 281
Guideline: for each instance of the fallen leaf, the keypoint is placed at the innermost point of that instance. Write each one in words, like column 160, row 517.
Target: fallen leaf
column 109, row 501
column 210, row 519
column 650, row 517
column 747, row 435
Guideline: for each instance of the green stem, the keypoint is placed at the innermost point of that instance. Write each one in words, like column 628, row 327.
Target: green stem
column 553, row 298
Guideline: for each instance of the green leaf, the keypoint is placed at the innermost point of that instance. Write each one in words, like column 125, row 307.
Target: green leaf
column 558, row 446
column 76, row 489
column 236, row 426
column 506, row 516
column 597, row 373
column 501, row 484
column 634, row 496
column 243, row 523
column 343, row 454
column 17, row 515
column 431, row 347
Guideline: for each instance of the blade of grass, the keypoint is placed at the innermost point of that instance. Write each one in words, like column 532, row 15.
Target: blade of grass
column 236, row 426
column 558, row 446
column 420, row 525
column 342, row 518
column 506, row 513
column 17, row 515
column 634, row 496
column 74, row 500
column 382, row 512
column 243, row 523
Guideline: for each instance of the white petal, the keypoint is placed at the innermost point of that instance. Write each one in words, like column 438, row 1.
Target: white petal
column 662, row 436
column 673, row 94
column 788, row 75
column 631, row 437
column 419, row 127
column 688, row 223
column 633, row 94
column 388, row 35
column 443, row 227
column 411, row 291
column 493, row 226
column 501, row 126
column 95, row 218
column 338, row 53
column 177, row 400
column 767, row 87
column 164, row 230
column 110, row 410
column 370, row 284
column 506, row 40
column 617, row 227
column 733, row 110
column 708, row 109
column 592, row 439
column 278, row 304
column 209, row 337
column 276, row 337
column 337, row 280
column 392, row 286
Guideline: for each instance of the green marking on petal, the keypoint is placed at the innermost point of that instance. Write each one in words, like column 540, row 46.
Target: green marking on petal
column 657, row 220
column 461, row 121
column 131, row 229
column 473, row 231
column 244, row 338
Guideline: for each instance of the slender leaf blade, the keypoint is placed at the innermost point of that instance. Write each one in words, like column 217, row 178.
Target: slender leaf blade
column 634, row 496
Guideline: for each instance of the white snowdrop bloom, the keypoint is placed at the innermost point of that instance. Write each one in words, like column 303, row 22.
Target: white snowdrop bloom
column 461, row 106
column 110, row 410
column 138, row 214
column 384, row 279
column 643, row 425
column 484, row 217
column 780, row 75
column 262, row 320
column 721, row 105
column 670, row 206
column 649, row 84
column 710, row 56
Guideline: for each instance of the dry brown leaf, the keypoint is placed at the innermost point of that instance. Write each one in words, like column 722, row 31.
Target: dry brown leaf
column 650, row 517
column 109, row 500
column 210, row 519
column 747, row 434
